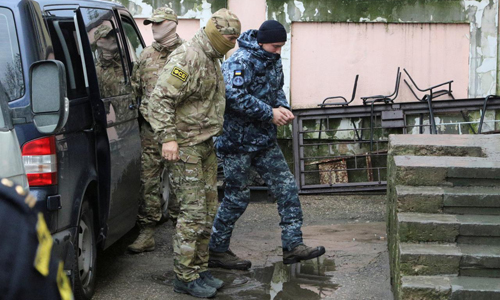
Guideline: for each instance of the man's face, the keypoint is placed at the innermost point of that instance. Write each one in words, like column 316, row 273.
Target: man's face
column 108, row 43
column 231, row 38
column 273, row 47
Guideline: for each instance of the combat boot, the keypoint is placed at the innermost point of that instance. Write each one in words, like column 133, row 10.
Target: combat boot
column 197, row 288
column 211, row 280
column 227, row 260
column 145, row 241
column 302, row 252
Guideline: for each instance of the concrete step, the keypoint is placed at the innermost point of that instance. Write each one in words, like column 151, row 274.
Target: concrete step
column 449, row 288
column 443, row 171
column 449, row 259
column 444, row 228
column 442, row 145
column 451, row 200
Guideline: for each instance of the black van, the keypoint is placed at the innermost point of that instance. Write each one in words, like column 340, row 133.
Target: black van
column 86, row 177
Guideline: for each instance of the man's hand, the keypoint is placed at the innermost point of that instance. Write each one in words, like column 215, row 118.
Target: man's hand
column 282, row 116
column 170, row 151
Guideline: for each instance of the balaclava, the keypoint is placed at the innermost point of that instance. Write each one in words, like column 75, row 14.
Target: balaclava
column 165, row 32
column 106, row 41
column 164, row 27
column 222, row 22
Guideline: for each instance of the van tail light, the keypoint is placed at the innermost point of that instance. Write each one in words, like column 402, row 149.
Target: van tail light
column 40, row 161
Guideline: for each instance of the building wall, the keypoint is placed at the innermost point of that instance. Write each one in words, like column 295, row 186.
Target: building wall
column 436, row 40
column 326, row 57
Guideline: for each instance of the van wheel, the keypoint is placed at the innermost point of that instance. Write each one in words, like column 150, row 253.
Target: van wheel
column 84, row 270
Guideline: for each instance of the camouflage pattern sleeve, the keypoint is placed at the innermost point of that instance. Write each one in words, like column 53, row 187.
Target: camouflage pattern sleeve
column 136, row 78
column 171, row 89
column 238, row 79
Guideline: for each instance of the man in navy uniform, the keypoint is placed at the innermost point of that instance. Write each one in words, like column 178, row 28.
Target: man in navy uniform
column 255, row 106
column 28, row 270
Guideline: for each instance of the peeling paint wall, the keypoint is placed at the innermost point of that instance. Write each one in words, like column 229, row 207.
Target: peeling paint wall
column 482, row 16
column 186, row 9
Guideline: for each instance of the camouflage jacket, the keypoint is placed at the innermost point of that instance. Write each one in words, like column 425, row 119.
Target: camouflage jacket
column 147, row 69
column 110, row 76
column 187, row 104
column 254, row 86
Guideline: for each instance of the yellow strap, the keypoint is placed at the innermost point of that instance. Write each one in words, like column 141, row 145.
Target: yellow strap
column 63, row 283
column 42, row 258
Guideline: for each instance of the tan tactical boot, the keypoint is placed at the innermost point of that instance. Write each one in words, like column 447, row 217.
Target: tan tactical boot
column 302, row 252
column 145, row 241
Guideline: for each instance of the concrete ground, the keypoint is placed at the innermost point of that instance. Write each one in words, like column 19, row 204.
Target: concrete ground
column 355, row 265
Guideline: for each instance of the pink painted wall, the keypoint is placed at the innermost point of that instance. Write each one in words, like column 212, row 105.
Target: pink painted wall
column 325, row 58
column 186, row 29
column 251, row 13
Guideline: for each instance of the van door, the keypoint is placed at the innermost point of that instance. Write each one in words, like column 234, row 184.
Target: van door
column 11, row 164
column 116, row 117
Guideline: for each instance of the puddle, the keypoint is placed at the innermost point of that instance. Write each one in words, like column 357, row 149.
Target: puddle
column 305, row 280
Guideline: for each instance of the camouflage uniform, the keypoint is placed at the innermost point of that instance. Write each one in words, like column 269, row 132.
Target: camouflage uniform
column 144, row 77
column 187, row 106
column 110, row 71
column 254, row 86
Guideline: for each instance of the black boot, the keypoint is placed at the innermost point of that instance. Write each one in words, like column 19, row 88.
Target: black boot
column 197, row 288
column 211, row 280
column 302, row 252
column 227, row 260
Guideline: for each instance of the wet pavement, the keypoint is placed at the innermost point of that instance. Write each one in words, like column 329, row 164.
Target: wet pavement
column 305, row 280
column 355, row 265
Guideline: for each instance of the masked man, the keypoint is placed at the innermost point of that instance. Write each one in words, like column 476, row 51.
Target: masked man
column 145, row 75
column 186, row 110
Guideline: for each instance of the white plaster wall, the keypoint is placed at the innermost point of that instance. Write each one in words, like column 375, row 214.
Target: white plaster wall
column 327, row 56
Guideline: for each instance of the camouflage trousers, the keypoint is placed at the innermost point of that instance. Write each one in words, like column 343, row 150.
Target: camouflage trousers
column 194, row 182
column 152, row 166
column 271, row 166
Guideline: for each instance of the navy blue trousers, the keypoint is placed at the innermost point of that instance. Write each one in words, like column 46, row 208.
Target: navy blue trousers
column 271, row 166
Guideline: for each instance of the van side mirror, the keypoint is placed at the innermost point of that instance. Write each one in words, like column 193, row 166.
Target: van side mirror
column 49, row 104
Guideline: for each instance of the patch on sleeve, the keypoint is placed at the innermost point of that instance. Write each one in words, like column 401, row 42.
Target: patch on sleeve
column 238, row 79
column 179, row 74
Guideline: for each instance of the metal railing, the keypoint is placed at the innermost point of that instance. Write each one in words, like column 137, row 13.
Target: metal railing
column 344, row 148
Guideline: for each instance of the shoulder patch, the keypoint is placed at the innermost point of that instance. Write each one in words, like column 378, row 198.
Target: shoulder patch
column 238, row 79
column 179, row 74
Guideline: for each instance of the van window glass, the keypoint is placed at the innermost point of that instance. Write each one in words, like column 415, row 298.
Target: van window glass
column 108, row 56
column 133, row 41
column 4, row 113
column 11, row 70
column 62, row 29
column 2, row 121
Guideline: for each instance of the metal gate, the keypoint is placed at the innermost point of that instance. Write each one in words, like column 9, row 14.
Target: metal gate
column 344, row 149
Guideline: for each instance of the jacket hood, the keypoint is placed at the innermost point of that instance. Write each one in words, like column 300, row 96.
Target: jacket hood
column 248, row 41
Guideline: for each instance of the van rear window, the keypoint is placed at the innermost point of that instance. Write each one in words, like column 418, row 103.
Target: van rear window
column 11, row 71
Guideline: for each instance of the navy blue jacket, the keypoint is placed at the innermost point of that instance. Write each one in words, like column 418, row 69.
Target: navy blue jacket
column 254, row 86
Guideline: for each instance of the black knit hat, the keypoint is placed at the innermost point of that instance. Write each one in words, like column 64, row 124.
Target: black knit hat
column 271, row 31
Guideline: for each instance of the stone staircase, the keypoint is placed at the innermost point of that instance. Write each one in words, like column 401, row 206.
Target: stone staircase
column 443, row 216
